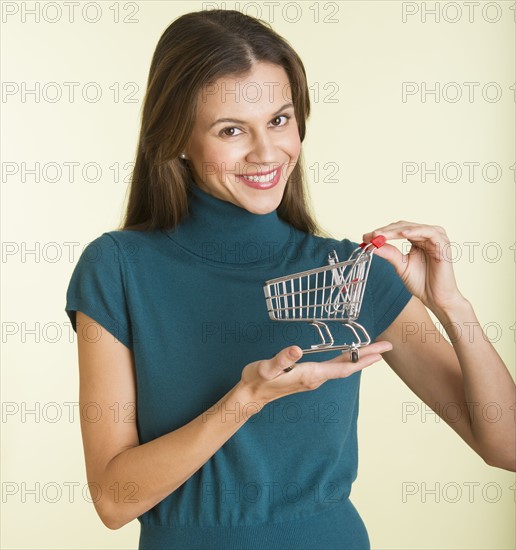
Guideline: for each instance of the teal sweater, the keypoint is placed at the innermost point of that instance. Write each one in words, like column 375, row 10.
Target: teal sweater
column 190, row 305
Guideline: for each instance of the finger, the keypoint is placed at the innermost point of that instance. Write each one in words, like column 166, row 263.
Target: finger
column 283, row 361
column 394, row 256
column 396, row 230
column 390, row 228
column 377, row 347
column 347, row 368
column 429, row 239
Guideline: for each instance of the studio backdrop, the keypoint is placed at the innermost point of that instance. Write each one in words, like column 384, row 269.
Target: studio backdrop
column 412, row 118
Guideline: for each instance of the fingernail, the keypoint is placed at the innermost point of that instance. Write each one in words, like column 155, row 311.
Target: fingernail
column 293, row 354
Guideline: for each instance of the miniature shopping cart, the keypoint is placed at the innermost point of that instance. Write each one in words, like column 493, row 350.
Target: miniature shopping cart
column 329, row 293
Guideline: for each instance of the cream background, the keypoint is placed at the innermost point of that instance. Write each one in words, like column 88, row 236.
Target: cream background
column 368, row 133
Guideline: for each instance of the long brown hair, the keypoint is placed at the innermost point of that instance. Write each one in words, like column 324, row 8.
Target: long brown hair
column 196, row 49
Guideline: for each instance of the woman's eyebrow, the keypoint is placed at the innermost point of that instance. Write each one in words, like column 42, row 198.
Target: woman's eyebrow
column 282, row 108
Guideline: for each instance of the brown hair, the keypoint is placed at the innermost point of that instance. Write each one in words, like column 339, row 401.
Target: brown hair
column 196, row 49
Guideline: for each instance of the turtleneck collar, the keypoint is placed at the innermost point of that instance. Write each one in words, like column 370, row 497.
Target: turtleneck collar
column 220, row 232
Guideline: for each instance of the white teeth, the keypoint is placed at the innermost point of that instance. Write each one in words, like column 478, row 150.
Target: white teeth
column 262, row 179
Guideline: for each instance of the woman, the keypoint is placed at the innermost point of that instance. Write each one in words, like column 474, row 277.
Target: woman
column 215, row 431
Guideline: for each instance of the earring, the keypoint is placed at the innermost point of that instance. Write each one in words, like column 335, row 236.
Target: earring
column 183, row 156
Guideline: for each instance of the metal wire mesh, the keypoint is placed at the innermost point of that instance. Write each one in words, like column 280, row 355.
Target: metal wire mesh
column 333, row 292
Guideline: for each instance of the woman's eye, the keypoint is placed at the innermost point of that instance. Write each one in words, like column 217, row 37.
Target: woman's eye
column 230, row 131
column 286, row 117
column 225, row 132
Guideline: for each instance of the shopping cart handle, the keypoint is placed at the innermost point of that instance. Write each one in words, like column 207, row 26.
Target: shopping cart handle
column 377, row 242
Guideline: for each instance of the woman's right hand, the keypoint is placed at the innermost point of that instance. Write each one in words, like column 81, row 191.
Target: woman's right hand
column 266, row 380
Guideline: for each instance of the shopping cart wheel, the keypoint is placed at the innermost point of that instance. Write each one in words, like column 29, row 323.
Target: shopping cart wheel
column 354, row 355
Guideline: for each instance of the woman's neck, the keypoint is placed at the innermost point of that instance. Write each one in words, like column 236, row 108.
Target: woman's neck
column 222, row 232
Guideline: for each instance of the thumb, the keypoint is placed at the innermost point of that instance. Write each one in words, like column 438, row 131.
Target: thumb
column 393, row 256
column 286, row 358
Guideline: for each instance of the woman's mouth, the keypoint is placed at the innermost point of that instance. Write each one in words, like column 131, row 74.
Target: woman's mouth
column 265, row 181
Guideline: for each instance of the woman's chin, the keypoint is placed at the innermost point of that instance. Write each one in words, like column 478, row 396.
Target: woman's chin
column 260, row 207
column 261, row 201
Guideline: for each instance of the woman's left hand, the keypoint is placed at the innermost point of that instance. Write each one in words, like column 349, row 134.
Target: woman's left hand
column 426, row 270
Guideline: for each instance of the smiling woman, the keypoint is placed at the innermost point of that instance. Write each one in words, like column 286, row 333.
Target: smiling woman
column 238, row 440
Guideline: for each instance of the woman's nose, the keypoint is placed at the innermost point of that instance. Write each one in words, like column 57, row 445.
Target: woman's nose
column 262, row 150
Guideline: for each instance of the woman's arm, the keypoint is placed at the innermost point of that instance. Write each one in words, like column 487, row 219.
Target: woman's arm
column 467, row 375
column 128, row 479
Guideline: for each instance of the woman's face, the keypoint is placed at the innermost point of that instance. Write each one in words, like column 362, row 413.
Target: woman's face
column 246, row 126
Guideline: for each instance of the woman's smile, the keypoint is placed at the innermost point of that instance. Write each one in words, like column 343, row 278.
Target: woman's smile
column 262, row 180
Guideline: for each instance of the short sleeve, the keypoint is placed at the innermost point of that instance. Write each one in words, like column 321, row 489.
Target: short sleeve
column 96, row 288
column 388, row 293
